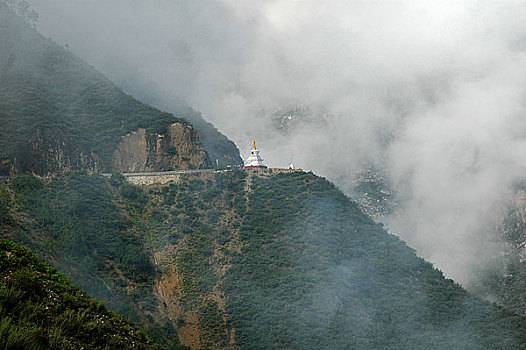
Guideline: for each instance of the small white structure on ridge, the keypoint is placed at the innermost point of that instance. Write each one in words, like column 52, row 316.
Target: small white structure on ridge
column 254, row 161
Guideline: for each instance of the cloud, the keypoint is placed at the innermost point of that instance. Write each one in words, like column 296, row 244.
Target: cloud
column 431, row 92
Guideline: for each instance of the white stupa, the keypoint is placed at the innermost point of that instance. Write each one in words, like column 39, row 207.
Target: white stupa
column 254, row 161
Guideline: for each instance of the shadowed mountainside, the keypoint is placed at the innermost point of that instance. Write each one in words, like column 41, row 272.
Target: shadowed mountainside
column 40, row 309
column 224, row 260
column 60, row 114
column 249, row 260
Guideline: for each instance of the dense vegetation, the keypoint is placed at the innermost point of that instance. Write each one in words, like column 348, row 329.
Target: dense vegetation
column 297, row 265
column 198, row 220
column 90, row 230
column 55, row 106
column 347, row 282
column 249, row 260
column 40, row 309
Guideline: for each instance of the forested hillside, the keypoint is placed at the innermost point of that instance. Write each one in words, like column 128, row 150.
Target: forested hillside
column 58, row 113
column 249, row 260
column 217, row 260
column 40, row 309
column 88, row 229
column 502, row 277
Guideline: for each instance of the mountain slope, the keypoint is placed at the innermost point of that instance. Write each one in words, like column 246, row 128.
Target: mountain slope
column 87, row 229
column 251, row 261
column 40, row 309
column 58, row 113
column 217, row 145
column 505, row 280
column 501, row 277
column 224, row 260
column 296, row 264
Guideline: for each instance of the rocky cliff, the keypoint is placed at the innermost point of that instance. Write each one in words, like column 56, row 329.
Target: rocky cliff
column 178, row 148
column 59, row 114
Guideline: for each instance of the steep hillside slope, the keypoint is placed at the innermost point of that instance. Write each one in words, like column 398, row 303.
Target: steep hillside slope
column 58, row 113
column 40, row 309
column 505, row 282
column 220, row 149
column 257, row 260
column 288, row 261
column 501, row 276
column 91, row 231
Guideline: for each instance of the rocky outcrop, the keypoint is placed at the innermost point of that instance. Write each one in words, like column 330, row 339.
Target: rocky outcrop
column 178, row 148
column 511, row 222
column 52, row 151
column 132, row 153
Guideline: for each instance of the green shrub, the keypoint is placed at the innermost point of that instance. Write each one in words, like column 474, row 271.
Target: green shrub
column 117, row 179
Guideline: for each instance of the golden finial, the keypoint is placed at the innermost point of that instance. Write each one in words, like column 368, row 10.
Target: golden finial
column 254, row 144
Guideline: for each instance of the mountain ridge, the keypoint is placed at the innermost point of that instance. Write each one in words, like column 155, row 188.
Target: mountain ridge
column 240, row 259
column 251, row 260
column 60, row 114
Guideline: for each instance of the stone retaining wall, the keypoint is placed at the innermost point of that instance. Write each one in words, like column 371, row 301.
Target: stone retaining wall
column 154, row 179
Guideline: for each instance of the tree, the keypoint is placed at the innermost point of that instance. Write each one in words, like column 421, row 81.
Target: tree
column 117, row 179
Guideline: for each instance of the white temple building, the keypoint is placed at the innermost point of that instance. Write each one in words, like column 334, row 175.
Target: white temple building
column 254, row 161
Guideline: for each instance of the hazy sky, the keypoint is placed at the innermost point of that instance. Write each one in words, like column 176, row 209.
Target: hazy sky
column 431, row 91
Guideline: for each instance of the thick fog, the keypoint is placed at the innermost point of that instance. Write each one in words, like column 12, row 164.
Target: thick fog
column 432, row 92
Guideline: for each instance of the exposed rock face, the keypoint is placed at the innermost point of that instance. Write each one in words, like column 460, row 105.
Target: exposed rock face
column 142, row 151
column 132, row 153
column 511, row 223
column 50, row 151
